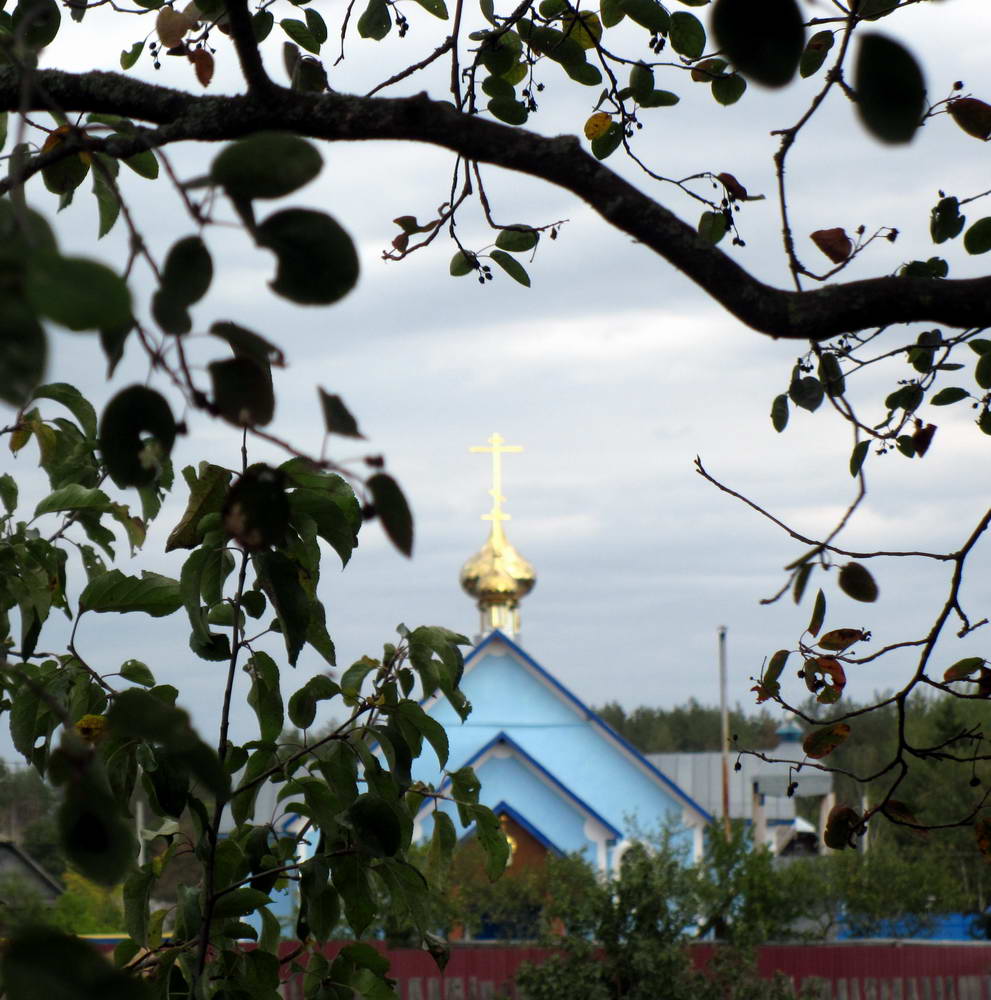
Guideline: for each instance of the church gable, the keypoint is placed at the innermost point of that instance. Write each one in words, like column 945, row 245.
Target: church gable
column 518, row 703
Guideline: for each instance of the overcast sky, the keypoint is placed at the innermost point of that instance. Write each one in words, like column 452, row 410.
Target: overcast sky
column 612, row 370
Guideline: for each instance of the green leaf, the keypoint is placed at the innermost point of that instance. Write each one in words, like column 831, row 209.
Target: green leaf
column 151, row 593
column 436, row 7
column 355, row 675
column 129, row 57
column 945, row 221
column 856, row 582
column 300, row 33
column 687, row 34
column 818, row 614
column 337, row 418
column 316, row 24
column 520, row 240
column 335, row 512
column 36, row 22
column 350, row 877
column 492, row 86
column 107, row 199
column 963, row 668
column 320, row 904
column 815, row 52
column 951, row 394
column 508, row 110
column 189, row 589
column 96, row 839
column 376, row 825
column 712, row 226
column 303, row 704
column 8, row 492
column 822, row 742
column 462, row 263
column 242, row 392
column 860, row 450
column 317, row 260
column 188, row 271
column 23, row 351
column 728, row 89
column 763, row 41
column 392, row 511
column 511, row 266
column 239, row 903
column 136, row 431
column 376, row 21
column 266, row 165
column 137, row 899
column 807, row 393
column 648, row 14
column 43, row 962
column 137, row 672
column 207, row 490
column 779, row 412
column 73, row 400
column 428, row 727
column 493, row 840
column 247, row 343
column 831, row 374
column 144, row 164
column 78, row 293
column 609, row 142
column 73, row 497
column 659, row 99
column 977, row 239
column 611, row 12
column 278, row 576
column 891, row 92
column 982, row 371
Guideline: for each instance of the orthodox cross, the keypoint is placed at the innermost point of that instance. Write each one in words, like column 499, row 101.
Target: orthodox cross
column 496, row 448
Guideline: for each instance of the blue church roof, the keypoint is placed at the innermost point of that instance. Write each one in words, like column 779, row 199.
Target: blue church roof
column 544, row 754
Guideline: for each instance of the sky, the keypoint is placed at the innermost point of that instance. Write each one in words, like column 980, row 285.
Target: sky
column 612, row 371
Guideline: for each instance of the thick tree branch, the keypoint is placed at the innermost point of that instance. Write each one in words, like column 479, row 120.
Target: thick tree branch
column 808, row 315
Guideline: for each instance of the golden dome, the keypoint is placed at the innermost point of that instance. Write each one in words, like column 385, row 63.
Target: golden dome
column 497, row 574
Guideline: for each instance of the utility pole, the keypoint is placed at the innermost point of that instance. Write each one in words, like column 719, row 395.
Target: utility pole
column 724, row 718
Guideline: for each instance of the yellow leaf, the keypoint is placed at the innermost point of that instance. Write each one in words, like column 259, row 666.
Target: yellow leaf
column 171, row 25
column 597, row 125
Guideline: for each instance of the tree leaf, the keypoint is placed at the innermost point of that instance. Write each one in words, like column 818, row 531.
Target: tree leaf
column 188, row 271
column 818, row 614
column 806, row 392
column 78, row 293
column 946, row 222
column 511, row 266
column 951, row 394
column 317, row 260
column 129, row 57
column 763, row 41
column 376, row 825
column 822, row 742
column 856, row 582
column 712, row 226
column 520, row 240
column 839, row 639
column 972, row 115
column 266, row 165
column 73, row 400
column 337, row 418
column 137, row 431
column 152, row 593
column 436, row 7
column 779, row 412
column 891, row 91
column 278, row 576
column 303, row 704
column 962, row 669
column 508, row 110
column 376, row 21
column 858, row 456
column 687, row 34
column 242, row 392
column 137, row 672
column 977, row 239
column 729, row 89
column 392, row 510
column 207, row 491
column 23, row 351
column 834, row 243
column 35, row 23
column 815, row 52
column 300, row 33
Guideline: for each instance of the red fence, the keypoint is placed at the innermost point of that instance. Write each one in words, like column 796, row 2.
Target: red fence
column 851, row 970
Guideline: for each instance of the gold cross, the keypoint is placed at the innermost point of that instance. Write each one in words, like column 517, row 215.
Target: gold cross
column 497, row 448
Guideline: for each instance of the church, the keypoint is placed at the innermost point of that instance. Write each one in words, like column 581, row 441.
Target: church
column 560, row 779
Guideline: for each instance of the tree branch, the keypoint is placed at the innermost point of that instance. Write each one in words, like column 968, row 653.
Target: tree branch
column 816, row 314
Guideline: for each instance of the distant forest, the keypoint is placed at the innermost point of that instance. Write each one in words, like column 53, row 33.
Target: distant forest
column 690, row 728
